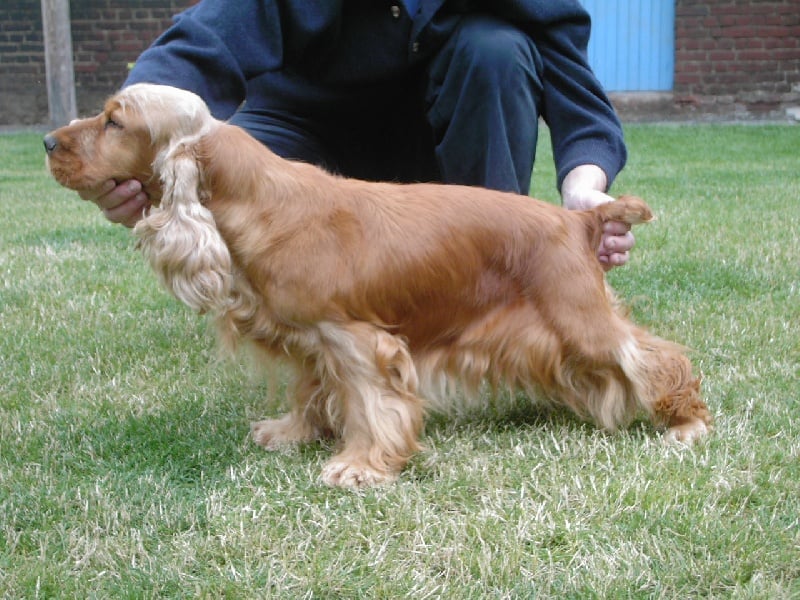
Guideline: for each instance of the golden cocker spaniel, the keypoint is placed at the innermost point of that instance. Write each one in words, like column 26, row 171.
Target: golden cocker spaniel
column 386, row 299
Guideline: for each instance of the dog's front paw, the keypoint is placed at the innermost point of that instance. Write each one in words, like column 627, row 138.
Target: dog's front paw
column 275, row 433
column 340, row 473
column 686, row 433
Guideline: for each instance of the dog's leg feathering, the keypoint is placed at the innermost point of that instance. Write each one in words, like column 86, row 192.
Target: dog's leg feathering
column 375, row 385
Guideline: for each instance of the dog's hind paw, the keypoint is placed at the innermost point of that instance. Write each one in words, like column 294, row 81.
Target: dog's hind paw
column 686, row 433
column 339, row 473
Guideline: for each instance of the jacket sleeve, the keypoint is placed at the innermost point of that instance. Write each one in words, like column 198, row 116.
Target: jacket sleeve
column 213, row 51
column 584, row 127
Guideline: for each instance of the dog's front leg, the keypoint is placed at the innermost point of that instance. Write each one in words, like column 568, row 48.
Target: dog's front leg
column 308, row 420
column 376, row 389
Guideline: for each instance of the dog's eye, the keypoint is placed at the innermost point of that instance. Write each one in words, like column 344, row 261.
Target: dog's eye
column 111, row 123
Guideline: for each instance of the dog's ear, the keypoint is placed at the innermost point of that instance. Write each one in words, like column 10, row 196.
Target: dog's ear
column 181, row 241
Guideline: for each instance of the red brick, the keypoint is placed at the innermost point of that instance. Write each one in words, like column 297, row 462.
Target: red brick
column 755, row 55
column 787, row 54
column 685, row 9
column 721, row 55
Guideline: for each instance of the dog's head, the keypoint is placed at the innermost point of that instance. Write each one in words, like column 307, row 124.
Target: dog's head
column 149, row 133
column 138, row 128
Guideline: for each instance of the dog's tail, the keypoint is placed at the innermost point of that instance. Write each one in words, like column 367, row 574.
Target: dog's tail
column 628, row 209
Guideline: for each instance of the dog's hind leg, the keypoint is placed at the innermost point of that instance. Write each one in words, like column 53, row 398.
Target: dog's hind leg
column 381, row 415
column 665, row 386
column 571, row 364
column 633, row 373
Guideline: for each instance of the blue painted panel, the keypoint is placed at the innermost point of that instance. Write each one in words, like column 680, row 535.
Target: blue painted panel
column 632, row 47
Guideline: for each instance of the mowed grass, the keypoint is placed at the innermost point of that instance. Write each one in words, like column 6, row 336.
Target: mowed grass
column 126, row 470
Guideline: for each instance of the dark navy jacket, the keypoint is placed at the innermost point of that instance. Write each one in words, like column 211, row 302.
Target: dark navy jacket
column 297, row 55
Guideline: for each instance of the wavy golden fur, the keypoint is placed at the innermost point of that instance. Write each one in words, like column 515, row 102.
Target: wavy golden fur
column 384, row 298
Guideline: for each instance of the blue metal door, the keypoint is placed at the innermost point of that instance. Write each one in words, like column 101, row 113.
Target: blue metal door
column 632, row 47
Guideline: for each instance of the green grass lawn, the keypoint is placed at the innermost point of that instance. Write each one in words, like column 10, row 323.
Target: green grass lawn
column 126, row 470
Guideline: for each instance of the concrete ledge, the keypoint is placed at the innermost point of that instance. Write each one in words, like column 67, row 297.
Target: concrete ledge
column 648, row 107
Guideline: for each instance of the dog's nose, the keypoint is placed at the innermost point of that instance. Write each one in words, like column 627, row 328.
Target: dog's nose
column 50, row 143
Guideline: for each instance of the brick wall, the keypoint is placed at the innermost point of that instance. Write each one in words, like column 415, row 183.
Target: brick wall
column 739, row 57
column 106, row 36
column 733, row 57
column 23, row 95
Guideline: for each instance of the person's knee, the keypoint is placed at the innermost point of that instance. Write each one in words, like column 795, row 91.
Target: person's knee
column 496, row 53
column 483, row 96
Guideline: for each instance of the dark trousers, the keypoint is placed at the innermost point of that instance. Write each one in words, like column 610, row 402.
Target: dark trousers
column 469, row 115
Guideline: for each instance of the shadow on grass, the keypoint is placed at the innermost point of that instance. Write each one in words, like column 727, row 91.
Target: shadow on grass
column 185, row 444
column 502, row 416
column 199, row 443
